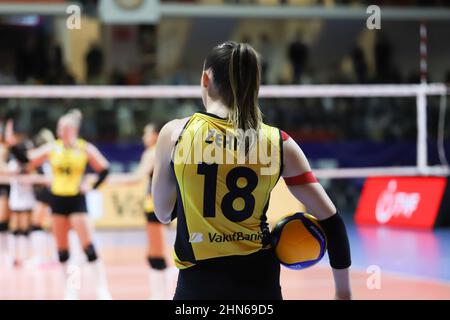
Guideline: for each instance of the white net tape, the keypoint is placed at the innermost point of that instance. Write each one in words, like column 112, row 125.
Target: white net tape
column 183, row 91
column 420, row 91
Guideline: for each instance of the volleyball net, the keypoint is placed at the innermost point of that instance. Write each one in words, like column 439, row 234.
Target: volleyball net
column 418, row 94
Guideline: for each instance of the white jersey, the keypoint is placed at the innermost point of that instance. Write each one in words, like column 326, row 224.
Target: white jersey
column 47, row 170
column 21, row 196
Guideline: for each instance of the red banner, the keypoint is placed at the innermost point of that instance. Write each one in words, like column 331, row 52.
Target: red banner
column 401, row 201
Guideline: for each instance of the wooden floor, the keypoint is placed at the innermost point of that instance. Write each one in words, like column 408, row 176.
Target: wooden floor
column 127, row 274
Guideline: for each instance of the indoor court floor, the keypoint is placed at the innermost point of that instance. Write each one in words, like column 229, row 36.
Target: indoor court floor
column 410, row 265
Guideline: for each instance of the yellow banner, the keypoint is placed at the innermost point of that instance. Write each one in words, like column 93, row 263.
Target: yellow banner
column 122, row 206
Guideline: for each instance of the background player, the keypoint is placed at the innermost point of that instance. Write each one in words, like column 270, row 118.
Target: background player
column 41, row 211
column 21, row 202
column 68, row 157
column 4, row 194
column 158, row 276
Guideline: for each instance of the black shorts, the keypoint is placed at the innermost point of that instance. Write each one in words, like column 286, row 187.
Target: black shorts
column 151, row 217
column 4, row 190
column 68, row 205
column 43, row 195
column 251, row 277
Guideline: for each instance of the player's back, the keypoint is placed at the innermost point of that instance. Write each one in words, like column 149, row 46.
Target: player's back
column 223, row 188
column 68, row 167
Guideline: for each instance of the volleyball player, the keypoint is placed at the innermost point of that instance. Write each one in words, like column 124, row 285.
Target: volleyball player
column 4, row 208
column 21, row 202
column 158, row 274
column 68, row 157
column 222, row 245
column 41, row 210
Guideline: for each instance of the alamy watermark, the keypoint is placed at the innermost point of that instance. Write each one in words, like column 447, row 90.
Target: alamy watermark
column 233, row 147
column 73, row 21
column 73, row 277
column 374, row 20
column 373, row 281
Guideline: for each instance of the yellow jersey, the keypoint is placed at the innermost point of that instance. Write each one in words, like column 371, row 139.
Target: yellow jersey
column 149, row 207
column 222, row 191
column 148, row 202
column 68, row 167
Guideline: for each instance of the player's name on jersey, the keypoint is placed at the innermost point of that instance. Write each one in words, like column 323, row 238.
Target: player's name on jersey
column 231, row 147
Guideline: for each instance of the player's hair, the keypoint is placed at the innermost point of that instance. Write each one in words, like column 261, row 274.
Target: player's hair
column 235, row 79
column 73, row 117
column 76, row 115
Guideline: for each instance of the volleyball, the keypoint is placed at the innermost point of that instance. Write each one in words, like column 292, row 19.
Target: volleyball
column 299, row 241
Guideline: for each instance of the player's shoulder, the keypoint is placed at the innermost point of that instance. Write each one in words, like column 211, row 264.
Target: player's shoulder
column 277, row 131
column 268, row 127
column 87, row 147
column 271, row 131
column 175, row 124
column 173, row 128
column 81, row 143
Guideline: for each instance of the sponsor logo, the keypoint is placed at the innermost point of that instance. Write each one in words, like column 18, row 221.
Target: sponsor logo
column 391, row 203
column 196, row 237
column 401, row 201
column 236, row 236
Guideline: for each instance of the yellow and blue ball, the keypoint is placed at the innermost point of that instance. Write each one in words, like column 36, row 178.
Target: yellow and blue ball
column 299, row 241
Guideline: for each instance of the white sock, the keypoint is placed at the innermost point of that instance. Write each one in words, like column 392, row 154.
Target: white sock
column 39, row 244
column 4, row 247
column 14, row 248
column 71, row 279
column 158, row 284
column 11, row 246
column 98, row 273
column 23, row 247
column 53, row 249
column 3, row 242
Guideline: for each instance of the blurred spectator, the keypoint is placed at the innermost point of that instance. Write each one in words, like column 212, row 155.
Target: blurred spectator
column 386, row 72
column 383, row 54
column 298, row 56
column 31, row 59
column 266, row 52
column 57, row 73
column 94, row 65
column 359, row 65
